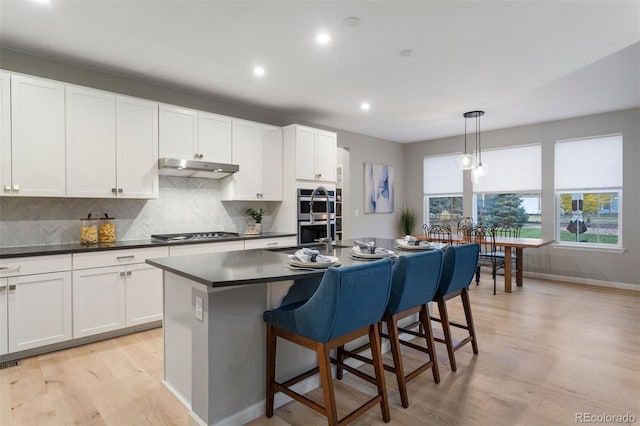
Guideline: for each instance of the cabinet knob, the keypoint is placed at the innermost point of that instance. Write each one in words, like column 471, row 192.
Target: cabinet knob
column 7, row 188
column 12, row 287
column 122, row 274
column 120, row 191
column 128, row 273
column 114, row 190
column 16, row 187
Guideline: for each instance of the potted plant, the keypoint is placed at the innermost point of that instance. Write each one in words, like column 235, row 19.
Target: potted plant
column 255, row 225
column 408, row 219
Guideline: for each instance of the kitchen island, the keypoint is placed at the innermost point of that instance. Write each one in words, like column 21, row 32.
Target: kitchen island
column 214, row 336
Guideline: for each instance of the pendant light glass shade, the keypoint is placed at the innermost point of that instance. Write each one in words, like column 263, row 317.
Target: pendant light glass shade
column 465, row 161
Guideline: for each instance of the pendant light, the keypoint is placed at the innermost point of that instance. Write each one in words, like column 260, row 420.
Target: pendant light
column 465, row 161
column 480, row 168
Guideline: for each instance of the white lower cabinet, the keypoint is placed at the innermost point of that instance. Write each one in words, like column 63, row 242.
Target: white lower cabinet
column 39, row 310
column 115, row 290
column 98, row 300
column 143, row 294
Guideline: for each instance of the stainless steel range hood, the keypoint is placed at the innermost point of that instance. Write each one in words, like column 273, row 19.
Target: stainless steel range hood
column 195, row 168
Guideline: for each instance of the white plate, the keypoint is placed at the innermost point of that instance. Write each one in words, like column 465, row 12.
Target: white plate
column 379, row 254
column 319, row 265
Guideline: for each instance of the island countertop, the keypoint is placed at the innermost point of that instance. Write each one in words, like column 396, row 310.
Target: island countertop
column 254, row 266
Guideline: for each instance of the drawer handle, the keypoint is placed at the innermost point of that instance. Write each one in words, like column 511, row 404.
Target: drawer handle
column 129, row 257
column 9, row 269
column 275, row 243
column 12, row 287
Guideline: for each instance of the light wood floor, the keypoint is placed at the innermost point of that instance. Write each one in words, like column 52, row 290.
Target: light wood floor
column 547, row 352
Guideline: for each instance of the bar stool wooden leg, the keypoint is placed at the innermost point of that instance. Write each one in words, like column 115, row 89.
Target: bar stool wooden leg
column 446, row 329
column 467, row 313
column 425, row 321
column 271, row 369
column 394, row 340
column 324, row 364
column 376, row 355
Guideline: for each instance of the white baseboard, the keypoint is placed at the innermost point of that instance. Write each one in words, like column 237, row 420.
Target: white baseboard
column 587, row 281
column 177, row 394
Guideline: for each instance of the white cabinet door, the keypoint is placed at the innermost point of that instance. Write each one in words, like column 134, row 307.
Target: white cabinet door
column 137, row 148
column 214, row 137
column 247, row 154
column 91, row 142
column 5, row 133
column 178, row 132
column 143, row 294
column 37, row 137
column 306, row 153
column 39, row 310
column 4, row 316
column 326, row 147
column 98, row 300
column 271, row 163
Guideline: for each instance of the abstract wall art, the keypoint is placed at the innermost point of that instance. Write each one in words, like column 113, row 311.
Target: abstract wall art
column 378, row 188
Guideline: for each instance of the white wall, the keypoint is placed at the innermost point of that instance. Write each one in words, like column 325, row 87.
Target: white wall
column 583, row 264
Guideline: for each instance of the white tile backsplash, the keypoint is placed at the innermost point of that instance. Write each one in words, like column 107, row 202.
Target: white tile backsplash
column 183, row 205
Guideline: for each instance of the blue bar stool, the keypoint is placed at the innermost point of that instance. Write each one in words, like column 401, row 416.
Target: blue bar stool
column 414, row 281
column 348, row 304
column 458, row 267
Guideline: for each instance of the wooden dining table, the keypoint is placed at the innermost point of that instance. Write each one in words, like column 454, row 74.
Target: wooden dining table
column 508, row 243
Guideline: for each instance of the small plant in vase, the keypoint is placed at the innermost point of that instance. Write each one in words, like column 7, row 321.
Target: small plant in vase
column 255, row 222
column 408, row 219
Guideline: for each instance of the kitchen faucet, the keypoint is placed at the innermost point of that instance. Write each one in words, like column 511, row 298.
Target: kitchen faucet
column 324, row 189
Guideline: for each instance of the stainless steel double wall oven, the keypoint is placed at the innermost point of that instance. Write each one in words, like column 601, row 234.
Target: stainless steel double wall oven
column 313, row 226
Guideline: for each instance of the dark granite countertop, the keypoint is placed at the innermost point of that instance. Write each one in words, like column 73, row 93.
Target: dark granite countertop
column 49, row 249
column 253, row 266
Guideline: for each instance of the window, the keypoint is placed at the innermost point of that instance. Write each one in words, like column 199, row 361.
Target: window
column 442, row 185
column 511, row 191
column 588, row 184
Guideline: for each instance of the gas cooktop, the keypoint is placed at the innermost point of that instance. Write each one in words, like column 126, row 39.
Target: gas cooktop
column 190, row 236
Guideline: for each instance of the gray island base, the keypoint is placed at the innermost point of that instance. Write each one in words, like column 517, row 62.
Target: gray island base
column 214, row 336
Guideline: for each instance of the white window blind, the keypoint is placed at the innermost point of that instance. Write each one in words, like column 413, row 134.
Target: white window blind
column 517, row 169
column 589, row 163
column 441, row 175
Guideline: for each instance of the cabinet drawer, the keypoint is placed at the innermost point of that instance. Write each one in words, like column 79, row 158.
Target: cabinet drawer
column 270, row 243
column 117, row 257
column 34, row 265
column 184, row 250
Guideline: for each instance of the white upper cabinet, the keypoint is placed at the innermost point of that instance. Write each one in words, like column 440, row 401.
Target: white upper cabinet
column 112, row 145
column 214, row 137
column 315, row 152
column 136, row 148
column 37, row 139
column 5, row 133
column 257, row 149
column 191, row 134
column 91, row 142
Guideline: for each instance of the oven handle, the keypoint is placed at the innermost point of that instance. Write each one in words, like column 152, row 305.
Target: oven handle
column 317, row 199
column 316, row 222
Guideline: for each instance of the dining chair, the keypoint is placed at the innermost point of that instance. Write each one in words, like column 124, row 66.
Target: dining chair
column 440, row 233
column 458, row 266
column 348, row 304
column 414, row 280
column 488, row 255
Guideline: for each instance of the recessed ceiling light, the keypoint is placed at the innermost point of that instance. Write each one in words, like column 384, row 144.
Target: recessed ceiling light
column 365, row 106
column 407, row 53
column 352, row 21
column 258, row 71
column 40, row 1
column 323, row 38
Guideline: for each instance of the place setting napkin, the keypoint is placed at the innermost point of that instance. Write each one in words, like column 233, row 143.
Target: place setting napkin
column 409, row 242
column 307, row 258
column 368, row 251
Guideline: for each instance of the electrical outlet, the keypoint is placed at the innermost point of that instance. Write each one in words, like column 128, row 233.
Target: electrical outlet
column 199, row 308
